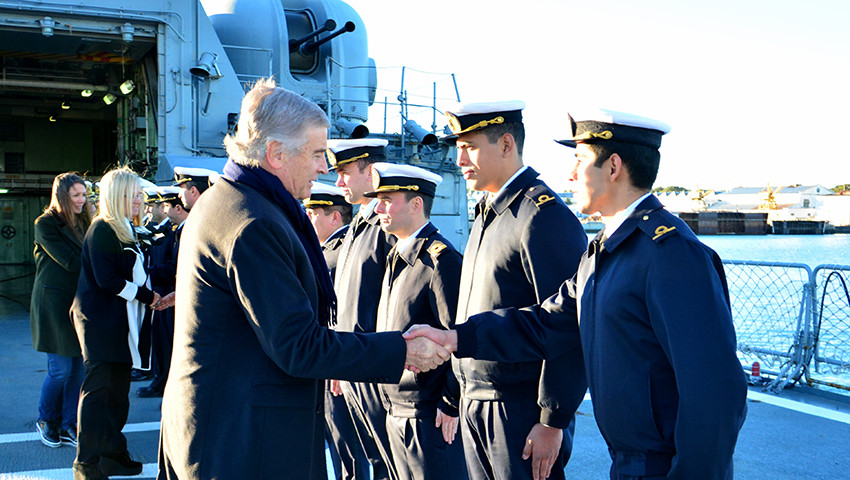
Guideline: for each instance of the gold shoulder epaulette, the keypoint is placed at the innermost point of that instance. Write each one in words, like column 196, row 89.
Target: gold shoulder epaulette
column 540, row 195
column 436, row 248
column 651, row 225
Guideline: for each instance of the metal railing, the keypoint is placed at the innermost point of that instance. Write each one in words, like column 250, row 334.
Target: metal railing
column 793, row 320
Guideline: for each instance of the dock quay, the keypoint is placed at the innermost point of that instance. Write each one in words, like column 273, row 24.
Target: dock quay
column 722, row 222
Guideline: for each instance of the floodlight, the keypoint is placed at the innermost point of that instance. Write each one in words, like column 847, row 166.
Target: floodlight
column 206, row 67
column 127, row 87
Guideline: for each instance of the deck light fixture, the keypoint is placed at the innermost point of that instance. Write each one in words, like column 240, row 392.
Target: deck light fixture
column 127, row 87
column 47, row 25
column 206, row 67
column 127, row 31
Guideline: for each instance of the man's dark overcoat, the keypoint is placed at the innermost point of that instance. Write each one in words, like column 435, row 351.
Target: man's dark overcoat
column 244, row 397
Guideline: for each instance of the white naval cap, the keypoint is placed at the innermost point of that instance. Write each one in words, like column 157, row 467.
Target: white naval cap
column 168, row 193
column 343, row 151
column 151, row 195
column 468, row 117
column 324, row 195
column 601, row 125
column 391, row 177
column 194, row 174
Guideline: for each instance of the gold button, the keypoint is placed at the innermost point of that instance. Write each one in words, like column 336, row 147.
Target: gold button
column 646, row 217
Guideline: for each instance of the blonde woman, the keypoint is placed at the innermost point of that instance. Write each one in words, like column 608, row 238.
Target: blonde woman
column 111, row 300
column 59, row 235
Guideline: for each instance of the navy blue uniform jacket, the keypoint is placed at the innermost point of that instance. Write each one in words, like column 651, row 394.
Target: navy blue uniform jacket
column 668, row 391
column 331, row 246
column 420, row 286
column 359, row 270
column 244, row 397
column 521, row 248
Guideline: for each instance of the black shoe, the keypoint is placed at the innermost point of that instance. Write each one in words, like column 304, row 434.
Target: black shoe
column 148, row 392
column 120, row 465
column 48, row 432
column 68, row 436
column 85, row 471
column 137, row 375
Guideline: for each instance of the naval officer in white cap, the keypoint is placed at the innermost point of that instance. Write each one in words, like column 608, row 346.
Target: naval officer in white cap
column 668, row 391
column 331, row 215
column 516, row 418
column 420, row 285
column 357, row 283
column 193, row 182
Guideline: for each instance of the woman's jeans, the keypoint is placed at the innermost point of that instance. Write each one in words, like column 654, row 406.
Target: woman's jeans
column 60, row 391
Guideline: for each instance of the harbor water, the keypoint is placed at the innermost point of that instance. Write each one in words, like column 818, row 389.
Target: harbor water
column 812, row 250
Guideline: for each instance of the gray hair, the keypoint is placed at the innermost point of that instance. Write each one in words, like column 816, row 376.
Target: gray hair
column 271, row 113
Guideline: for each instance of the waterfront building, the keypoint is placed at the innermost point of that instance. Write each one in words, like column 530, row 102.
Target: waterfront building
column 793, row 207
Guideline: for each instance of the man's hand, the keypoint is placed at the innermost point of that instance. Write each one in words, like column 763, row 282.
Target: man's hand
column 423, row 355
column 336, row 390
column 446, row 338
column 542, row 445
column 448, row 425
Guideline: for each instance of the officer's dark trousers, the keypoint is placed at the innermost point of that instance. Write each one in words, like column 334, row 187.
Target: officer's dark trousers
column 161, row 346
column 420, row 452
column 367, row 411
column 494, row 434
column 348, row 457
column 102, row 414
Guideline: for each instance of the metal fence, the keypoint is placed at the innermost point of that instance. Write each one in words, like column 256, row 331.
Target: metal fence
column 793, row 321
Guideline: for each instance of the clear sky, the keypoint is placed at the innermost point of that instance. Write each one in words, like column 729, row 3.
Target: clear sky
column 756, row 91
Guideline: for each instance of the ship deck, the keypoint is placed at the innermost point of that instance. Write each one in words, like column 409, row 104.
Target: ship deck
column 796, row 434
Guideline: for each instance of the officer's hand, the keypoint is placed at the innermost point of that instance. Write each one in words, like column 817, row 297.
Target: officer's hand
column 448, row 425
column 446, row 338
column 542, row 445
column 424, row 355
column 336, row 390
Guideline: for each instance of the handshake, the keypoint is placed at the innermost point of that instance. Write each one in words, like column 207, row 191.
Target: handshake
column 428, row 347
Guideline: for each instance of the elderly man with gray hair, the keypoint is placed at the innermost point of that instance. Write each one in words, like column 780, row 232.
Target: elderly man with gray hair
column 244, row 397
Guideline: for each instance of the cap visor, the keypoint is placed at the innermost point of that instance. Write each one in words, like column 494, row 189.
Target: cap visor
column 567, row 143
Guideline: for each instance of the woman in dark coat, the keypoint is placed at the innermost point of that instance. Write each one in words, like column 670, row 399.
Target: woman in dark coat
column 112, row 298
column 59, row 235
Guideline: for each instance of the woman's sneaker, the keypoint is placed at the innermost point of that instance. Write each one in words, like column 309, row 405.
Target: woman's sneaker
column 48, row 432
column 68, row 436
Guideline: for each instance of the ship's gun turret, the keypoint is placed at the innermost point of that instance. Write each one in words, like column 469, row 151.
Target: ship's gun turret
column 306, row 47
